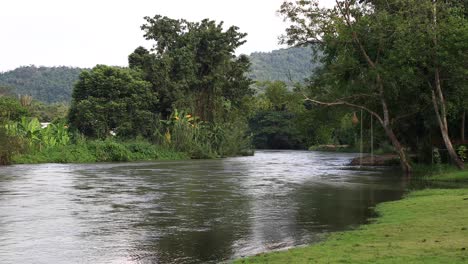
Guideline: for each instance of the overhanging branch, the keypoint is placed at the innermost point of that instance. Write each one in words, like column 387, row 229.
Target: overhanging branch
column 345, row 103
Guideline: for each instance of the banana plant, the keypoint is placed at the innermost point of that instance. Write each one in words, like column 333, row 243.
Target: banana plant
column 55, row 135
column 30, row 130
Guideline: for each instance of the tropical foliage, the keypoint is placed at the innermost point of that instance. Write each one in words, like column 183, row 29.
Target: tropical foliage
column 11, row 109
column 113, row 99
column 30, row 132
column 193, row 66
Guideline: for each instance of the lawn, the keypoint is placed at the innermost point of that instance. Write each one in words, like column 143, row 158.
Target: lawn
column 428, row 226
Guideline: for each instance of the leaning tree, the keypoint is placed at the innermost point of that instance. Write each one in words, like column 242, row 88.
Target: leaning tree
column 374, row 59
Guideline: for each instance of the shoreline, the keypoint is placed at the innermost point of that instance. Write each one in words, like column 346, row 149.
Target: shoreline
column 426, row 226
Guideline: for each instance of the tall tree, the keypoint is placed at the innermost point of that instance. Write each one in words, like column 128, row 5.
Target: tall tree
column 438, row 98
column 433, row 40
column 192, row 65
column 379, row 56
column 352, row 41
column 112, row 99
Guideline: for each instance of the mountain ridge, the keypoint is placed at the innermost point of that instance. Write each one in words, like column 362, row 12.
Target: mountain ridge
column 55, row 84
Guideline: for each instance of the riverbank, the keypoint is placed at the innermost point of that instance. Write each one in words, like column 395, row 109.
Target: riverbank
column 100, row 151
column 428, row 226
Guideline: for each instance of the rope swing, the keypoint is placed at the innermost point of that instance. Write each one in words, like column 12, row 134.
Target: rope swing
column 372, row 138
column 361, row 147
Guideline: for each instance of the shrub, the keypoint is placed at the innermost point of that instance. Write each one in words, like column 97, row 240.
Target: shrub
column 9, row 146
column 100, row 151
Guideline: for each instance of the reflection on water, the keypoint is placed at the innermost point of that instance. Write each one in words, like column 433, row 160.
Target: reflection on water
column 183, row 212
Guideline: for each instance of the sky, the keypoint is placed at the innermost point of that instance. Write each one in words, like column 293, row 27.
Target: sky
column 83, row 33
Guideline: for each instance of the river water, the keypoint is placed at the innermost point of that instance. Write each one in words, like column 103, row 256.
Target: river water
column 196, row 211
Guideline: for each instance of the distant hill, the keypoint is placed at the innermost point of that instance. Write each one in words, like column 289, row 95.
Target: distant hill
column 288, row 65
column 47, row 84
column 55, row 84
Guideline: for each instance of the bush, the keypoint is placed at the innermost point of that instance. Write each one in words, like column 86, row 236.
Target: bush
column 184, row 133
column 9, row 145
column 462, row 152
column 11, row 109
column 100, row 151
column 109, row 150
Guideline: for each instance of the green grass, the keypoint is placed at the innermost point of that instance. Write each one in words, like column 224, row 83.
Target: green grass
column 447, row 173
column 429, row 226
column 100, row 151
column 455, row 176
column 440, row 173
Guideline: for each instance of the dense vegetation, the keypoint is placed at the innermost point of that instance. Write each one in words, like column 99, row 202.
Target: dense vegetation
column 183, row 98
column 281, row 119
column 55, row 84
column 403, row 63
column 191, row 93
column 46, row 84
column 390, row 73
column 287, row 65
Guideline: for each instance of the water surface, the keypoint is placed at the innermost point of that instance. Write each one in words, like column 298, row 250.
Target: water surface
column 197, row 211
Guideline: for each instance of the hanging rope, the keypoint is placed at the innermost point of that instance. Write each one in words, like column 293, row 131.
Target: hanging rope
column 372, row 138
column 361, row 148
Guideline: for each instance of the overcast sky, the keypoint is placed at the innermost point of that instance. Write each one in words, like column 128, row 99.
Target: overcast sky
column 83, row 33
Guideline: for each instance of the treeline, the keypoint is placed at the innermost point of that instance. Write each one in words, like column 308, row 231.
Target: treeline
column 393, row 72
column 281, row 119
column 287, row 65
column 186, row 95
column 55, row 84
column 46, row 84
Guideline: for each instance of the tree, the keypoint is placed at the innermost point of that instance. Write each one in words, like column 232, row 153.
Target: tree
column 450, row 27
column 433, row 42
column 11, row 109
column 351, row 39
column 113, row 99
column 192, row 65
column 378, row 56
column 6, row 91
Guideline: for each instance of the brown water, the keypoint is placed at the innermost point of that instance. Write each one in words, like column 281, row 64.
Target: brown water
column 195, row 211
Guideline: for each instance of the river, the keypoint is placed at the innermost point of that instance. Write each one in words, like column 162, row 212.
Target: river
column 196, row 211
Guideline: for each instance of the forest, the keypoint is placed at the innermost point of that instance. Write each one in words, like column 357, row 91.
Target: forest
column 190, row 93
column 55, row 84
column 291, row 65
column 46, row 84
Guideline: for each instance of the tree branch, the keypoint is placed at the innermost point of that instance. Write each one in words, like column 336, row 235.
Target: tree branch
column 355, row 37
column 345, row 103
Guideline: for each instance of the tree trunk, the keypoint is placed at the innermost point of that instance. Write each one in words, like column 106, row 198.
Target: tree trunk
column 406, row 167
column 442, row 120
column 404, row 163
column 438, row 98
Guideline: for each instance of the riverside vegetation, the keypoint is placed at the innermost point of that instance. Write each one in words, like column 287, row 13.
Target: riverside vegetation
column 391, row 71
column 382, row 92
column 126, row 114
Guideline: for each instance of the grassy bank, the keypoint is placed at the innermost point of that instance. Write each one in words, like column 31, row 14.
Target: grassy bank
column 100, row 151
column 429, row 226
